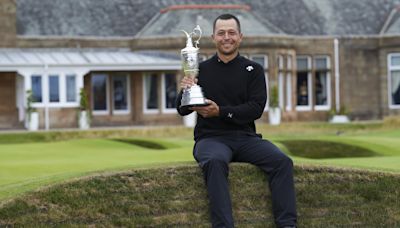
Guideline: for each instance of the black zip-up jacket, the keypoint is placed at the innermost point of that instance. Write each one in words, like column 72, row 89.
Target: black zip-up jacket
column 239, row 89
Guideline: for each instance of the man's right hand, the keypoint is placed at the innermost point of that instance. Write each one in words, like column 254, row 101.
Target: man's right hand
column 187, row 82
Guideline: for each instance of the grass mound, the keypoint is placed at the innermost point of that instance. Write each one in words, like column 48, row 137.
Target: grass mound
column 324, row 149
column 176, row 196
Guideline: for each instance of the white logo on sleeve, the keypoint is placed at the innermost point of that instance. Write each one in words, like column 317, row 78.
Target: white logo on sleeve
column 249, row 68
column 230, row 115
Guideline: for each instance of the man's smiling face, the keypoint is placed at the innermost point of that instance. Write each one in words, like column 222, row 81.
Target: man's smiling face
column 227, row 37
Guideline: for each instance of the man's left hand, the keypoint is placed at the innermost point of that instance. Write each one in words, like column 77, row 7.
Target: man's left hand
column 211, row 110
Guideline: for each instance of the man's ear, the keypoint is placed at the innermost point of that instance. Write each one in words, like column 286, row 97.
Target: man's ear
column 240, row 37
column 212, row 37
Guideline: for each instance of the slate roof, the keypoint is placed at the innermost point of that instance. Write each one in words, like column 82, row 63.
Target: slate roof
column 171, row 20
column 125, row 18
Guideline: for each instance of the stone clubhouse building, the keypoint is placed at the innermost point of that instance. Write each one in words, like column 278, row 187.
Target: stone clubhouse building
column 322, row 56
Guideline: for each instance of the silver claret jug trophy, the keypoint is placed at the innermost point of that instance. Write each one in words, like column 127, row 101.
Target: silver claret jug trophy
column 192, row 96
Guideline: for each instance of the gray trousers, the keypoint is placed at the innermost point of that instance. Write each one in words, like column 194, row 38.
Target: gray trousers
column 214, row 155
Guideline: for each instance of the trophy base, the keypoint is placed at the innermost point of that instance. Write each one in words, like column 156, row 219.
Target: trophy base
column 195, row 105
column 193, row 97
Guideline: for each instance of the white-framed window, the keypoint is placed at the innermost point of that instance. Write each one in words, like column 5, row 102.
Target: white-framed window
column 120, row 94
column 71, row 88
column 280, row 62
column 281, row 81
column 110, row 92
column 289, row 91
column 260, row 59
column 263, row 61
column 54, row 88
column 62, row 89
column 303, row 84
column 322, row 83
column 150, row 96
column 289, row 62
column 37, row 88
column 266, row 108
column 281, row 89
column 394, row 80
column 100, row 94
column 169, row 92
column 288, row 82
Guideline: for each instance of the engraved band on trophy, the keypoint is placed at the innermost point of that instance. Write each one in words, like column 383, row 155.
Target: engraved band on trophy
column 192, row 96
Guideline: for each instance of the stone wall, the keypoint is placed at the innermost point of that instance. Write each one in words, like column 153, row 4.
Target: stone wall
column 62, row 117
column 360, row 78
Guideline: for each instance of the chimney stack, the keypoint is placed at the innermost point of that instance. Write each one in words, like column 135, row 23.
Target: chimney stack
column 8, row 24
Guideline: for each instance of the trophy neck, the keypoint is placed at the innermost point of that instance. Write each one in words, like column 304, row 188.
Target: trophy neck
column 189, row 42
column 189, row 49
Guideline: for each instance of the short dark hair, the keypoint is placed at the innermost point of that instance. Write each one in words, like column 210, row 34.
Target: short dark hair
column 226, row 16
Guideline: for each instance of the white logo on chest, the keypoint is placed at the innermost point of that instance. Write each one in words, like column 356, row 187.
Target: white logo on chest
column 249, row 68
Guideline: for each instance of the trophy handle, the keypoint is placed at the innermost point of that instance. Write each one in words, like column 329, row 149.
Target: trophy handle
column 187, row 34
column 198, row 33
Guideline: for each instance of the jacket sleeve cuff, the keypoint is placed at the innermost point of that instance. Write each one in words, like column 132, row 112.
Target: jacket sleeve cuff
column 225, row 113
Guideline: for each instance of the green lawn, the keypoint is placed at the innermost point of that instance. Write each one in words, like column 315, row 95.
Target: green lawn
column 27, row 166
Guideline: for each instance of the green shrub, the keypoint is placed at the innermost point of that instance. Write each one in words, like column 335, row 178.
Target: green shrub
column 274, row 97
column 83, row 102
column 29, row 101
column 392, row 121
column 343, row 111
